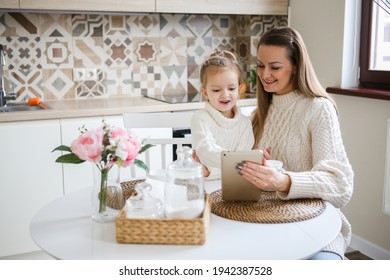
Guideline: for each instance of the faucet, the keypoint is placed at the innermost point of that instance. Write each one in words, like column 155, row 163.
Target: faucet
column 3, row 95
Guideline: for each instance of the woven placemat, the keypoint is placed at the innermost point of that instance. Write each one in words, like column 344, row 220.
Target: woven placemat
column 270, row 209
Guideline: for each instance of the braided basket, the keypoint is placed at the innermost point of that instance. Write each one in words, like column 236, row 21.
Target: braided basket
column 128, row 190
column 163, row 231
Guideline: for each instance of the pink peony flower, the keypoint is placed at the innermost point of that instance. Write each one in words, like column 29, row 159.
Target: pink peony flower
column 127, row 148
column 105, row 146
column 89, row 145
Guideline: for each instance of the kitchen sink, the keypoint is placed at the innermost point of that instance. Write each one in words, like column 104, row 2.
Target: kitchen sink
column 21, row 108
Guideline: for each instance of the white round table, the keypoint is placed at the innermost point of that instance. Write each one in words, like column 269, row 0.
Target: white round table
column 65, row 230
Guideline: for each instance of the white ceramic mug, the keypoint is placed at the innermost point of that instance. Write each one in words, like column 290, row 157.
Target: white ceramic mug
column 277, row 164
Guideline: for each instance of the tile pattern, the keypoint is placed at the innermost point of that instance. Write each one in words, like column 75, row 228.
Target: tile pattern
column 116, row 25
column 23, row 53
column 147, row 80
column 55, row 25
column 19, row 25
column 199, row 26
column 87, row 25
column 224, row 26
column 145, row 25
column 88, row 52
column 28, row 83
column 174, row 80
column 119, row 82
column 58, row 84
column 118, row 52
column 57, row 52
column 91, row 89
column 147, row 51
column 133, row 54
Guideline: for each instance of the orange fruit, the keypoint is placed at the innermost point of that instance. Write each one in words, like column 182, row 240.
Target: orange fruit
column 242, row 90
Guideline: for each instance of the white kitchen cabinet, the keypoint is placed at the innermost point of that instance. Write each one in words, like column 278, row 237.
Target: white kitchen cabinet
column 9, row 4
column 90, row 5
column 30, row 179
column 252, row 7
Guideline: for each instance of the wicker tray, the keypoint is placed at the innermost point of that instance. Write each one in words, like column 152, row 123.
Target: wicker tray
column 163, row 231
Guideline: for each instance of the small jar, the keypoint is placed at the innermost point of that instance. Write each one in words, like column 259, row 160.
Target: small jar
column 184, row 187
column 143, row 205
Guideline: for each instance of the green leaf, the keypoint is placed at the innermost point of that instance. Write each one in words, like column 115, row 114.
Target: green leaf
column 141, row 164
column 252, row 75
column 69, row 158
column 62, row 148
column 145, row 147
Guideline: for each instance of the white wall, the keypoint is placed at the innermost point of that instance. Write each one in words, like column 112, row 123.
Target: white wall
column 363, row 121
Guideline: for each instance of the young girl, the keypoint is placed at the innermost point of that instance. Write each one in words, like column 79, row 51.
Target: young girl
column 220, row 126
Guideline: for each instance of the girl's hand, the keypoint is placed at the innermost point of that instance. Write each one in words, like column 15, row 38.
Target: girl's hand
column 205, row 171
column 264, row 177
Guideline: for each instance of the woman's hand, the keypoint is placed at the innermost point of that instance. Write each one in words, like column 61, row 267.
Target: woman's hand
column 264, row 177
column 205, row 171
column 267, row 153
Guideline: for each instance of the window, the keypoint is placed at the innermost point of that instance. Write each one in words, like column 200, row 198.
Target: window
column 375, row 44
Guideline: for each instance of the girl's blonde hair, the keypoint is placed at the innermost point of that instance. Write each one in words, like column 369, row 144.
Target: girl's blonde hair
column 220, row 60
column 304, row 79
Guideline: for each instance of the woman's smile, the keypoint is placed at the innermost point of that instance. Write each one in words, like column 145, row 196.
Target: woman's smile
column 275, row 69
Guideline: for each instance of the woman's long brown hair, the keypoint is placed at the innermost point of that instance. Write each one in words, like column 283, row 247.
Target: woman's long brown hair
column 304, row 79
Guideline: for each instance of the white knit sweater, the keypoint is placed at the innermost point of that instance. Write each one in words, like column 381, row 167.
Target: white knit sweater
column 213, row 133
column 305, row 134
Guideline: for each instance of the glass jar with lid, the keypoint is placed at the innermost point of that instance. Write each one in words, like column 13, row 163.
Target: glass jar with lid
column 184, row 187
column 143, row 205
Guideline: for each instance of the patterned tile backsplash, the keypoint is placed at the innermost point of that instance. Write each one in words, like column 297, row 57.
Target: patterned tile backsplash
column 130, row 54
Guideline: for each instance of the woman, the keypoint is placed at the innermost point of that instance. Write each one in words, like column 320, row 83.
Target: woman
column 298, row 122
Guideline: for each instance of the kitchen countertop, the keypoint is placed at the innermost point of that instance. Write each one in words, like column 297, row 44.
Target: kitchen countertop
column 104, row 107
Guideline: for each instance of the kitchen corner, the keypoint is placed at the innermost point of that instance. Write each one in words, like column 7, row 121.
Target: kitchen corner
column 88, row 66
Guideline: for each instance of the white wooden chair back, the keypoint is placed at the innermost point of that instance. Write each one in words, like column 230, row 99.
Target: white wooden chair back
column 157, row 129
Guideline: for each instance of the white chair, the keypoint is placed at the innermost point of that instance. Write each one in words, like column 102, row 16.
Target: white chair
column 157, row 129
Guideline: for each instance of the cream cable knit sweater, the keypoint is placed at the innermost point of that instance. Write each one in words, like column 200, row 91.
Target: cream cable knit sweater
column 212, row 133
column 304, row 133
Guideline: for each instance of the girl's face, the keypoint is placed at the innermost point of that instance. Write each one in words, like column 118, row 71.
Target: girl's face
column 275, row 69
column 222, row 91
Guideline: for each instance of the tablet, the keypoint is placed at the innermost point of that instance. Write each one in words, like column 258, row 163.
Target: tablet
column 234, row 187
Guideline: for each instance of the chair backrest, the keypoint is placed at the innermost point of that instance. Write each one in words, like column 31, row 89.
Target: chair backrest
column 157, row 129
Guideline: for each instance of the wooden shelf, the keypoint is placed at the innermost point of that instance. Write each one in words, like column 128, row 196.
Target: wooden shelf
column 361, row 92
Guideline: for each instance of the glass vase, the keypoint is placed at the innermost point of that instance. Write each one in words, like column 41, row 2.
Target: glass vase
column 107, row 196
